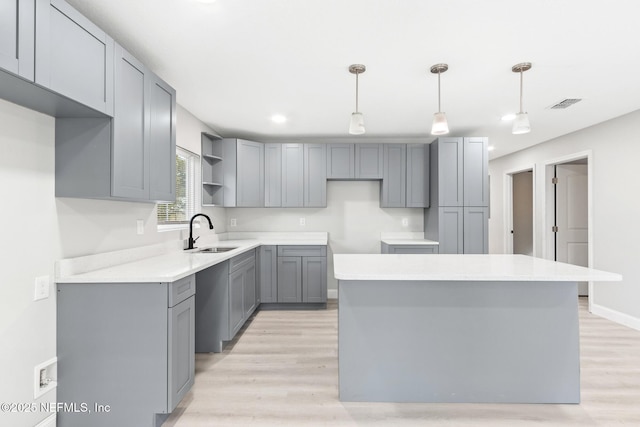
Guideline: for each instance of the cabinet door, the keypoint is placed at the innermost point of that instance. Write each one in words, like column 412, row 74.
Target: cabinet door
column 181, row 351
column 289, row 279
column 451, row 230
column 413, row 249
column 292, row 176
column 249, row 290
column 369, row 162
column 314, row 279
column 130, row 146
column 17, row 34
column 394, row 176
column 273, row 175
column 162, row 140
column 476, row 172
column 417, row 176
column 236, row 302
column 250, row 174
column 73, row 56
column 450, row 173
column 315, row 176
column 268, row 274
column 476, row 230
column 340, row 161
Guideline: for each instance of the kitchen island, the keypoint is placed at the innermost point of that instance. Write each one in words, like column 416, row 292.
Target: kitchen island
column 459, row 328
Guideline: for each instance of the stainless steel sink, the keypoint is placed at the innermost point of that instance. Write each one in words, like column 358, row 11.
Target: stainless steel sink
column 216, row 250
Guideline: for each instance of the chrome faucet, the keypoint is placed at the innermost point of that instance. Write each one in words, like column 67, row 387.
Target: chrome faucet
column 191, row 239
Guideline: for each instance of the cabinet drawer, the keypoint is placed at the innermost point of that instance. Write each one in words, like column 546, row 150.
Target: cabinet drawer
column 237, row 262
column 413, row 249
column 182, row 289
column 302, row 251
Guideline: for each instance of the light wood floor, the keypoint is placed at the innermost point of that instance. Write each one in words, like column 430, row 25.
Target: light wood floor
column 282, row 369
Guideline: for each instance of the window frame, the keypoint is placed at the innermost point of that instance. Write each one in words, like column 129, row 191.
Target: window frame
column 192, row 192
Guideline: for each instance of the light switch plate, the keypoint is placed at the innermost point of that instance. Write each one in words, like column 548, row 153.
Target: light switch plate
column 140, row 226
column 303, row 222
column 42, row 283
column 233, row 222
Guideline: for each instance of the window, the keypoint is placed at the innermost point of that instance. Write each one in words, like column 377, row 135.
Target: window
column 181, row 211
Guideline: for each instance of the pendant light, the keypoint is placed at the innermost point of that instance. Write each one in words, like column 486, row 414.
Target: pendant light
column 440, row 125
column 521, row 123
column 356, row 127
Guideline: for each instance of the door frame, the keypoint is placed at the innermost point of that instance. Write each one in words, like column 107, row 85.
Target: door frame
column 548, row 207
column 508, row 205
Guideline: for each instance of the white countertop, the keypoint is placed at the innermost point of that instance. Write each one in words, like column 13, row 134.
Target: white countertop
column 461, row 267
column 165, row 266
column 406, row 238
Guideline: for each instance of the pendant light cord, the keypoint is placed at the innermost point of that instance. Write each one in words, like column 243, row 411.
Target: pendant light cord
column 357, row 91
column 439, row 109
column 521, row 90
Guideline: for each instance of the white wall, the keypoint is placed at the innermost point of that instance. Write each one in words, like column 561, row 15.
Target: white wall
column 615, row 147
column 39, row 229
column 353, row 218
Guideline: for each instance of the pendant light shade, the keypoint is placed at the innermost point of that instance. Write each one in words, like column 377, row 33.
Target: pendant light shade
column 439, row 125
column 521, row 123
column 356, row 126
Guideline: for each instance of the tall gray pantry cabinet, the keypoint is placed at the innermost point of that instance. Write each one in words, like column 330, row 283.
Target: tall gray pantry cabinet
column 459, row 212
column 127, row 345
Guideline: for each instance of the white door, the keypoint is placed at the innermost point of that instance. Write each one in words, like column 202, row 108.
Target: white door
column 572, row 237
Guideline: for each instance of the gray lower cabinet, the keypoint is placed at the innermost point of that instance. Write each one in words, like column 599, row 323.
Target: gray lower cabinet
column 302, row 274
column 460, row 230
column 315, row 176
column 17, row 32
column 133, row 349
column 73, row 56
column 409, row 249
column 267, row 262
column 226, row 298
column 476, row 230
column 394, row 180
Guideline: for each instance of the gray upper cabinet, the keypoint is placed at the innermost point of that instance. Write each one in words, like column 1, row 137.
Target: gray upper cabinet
column 447, row 171
column 73, row 56
column 162, row 140
column 130, row 148
column 243, row 164
column 315, row 175
column 476, row 171
column 108, row 158
column 369, row 161
column 17, row 32
column 394, row 178
column 292, row 175
column 341, row 161
column 272, row 175
column 417, row 176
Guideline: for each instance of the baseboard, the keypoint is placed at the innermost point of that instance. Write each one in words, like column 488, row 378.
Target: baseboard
column 616, row 316
column 332, row 294
column 50, row 421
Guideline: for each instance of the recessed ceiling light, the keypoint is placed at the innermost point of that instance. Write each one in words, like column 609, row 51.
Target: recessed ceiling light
column 278, row 118
column 508, row 117
column 206, row 1
column 491, row 148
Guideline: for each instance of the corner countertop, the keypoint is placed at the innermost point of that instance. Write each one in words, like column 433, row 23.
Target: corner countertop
column 162, row 264
column 462, row 268
column 406, row 238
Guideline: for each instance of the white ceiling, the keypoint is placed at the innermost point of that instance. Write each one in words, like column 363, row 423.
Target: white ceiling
column 235, row 63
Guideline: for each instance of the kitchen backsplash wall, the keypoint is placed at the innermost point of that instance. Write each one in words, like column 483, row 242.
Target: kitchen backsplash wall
column 353, row 218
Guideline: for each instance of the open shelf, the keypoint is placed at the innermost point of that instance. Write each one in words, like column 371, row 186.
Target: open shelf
column 212, row 170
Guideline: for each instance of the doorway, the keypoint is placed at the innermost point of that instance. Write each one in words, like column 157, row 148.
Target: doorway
column 519, row 191
column 568, row 213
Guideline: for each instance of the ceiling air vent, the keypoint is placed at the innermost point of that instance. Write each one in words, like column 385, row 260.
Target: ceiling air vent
column 565, row 103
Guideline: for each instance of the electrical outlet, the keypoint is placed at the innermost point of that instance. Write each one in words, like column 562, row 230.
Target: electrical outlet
column 303, row 222
column 405, row 222
column 233, row 222
column 45, row 377
column 140, row 226
column 42, row 288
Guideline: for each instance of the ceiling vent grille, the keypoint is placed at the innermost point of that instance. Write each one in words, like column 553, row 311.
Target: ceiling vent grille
column 565, row 103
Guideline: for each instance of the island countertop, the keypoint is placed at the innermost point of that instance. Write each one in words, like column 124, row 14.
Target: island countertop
column 449, row 267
